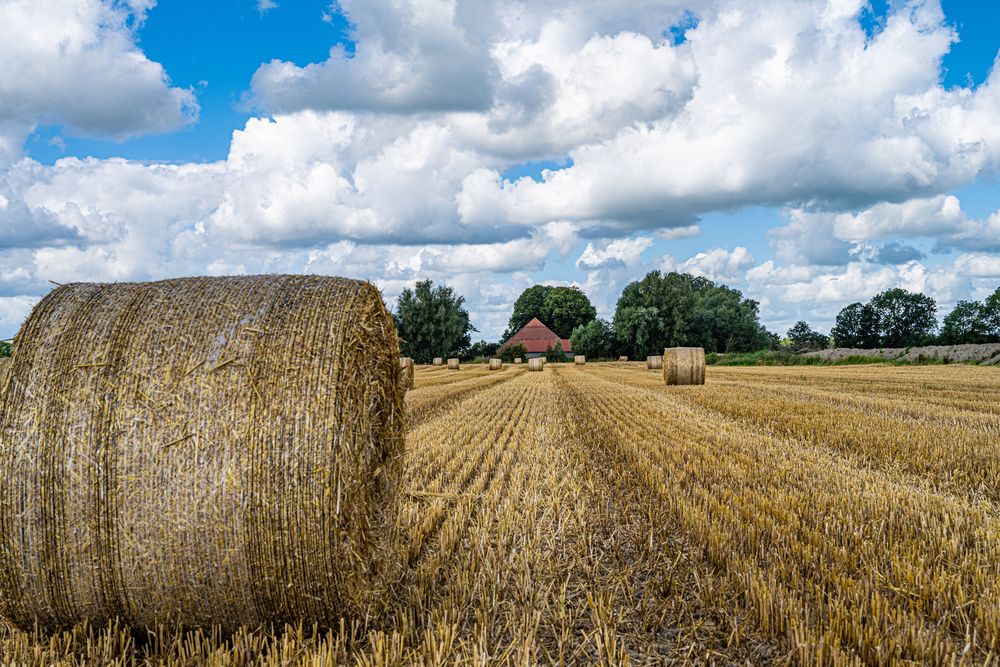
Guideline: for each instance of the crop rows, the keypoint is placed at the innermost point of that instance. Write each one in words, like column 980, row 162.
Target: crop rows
column 592, row 515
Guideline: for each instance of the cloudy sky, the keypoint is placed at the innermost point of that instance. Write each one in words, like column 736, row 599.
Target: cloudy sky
column 809, row 152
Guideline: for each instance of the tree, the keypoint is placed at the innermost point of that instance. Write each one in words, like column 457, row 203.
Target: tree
column 805, row 339
column 991, row 316
column 479, row 350
column 5, row 348
column 512, row 352
column 965, row 324
column 594, row 340
column 432, row 322
column 905, row 318
column 561, row 309
column 636, row 329
column 846, row 331
column 555, row 354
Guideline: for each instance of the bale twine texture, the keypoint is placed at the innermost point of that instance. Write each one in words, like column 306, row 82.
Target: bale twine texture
column 438, row 361
column 209, row 451
column 406, row 372
column 453, row 364
column 536, row 363
column 496, row 364
column 654, row 362
column 684, row 365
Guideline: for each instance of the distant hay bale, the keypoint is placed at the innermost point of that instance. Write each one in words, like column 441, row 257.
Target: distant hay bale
column 544, row 360
column 579, row 360
column 654, row 362
column 218, row 452
column 517, row 360
column 622, row 358
column 453, row 364
column 438, row 361
column 406, row 372
column 684, row 365
column 536, row 363
column 496, row 364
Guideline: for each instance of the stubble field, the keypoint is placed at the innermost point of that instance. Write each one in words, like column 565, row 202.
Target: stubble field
column 592, row 515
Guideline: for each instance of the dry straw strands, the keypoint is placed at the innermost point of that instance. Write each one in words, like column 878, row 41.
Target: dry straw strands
column 453, row 364
column 579, row 360
column 536, row 363
column 406, row 372
column 684, row 365
column 496, row 364
column 211, row 451
column 438, row 361
column 654, row 363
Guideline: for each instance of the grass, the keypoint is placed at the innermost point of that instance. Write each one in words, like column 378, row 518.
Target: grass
column 780, row 358
column 593, row 515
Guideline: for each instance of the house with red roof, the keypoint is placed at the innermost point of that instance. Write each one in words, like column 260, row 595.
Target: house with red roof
column 537, row 338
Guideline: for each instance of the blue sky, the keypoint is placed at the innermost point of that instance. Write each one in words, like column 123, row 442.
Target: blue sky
column 492, row 146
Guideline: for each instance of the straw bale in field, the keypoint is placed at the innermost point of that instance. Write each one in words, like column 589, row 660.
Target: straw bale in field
column 684, row 365
column 517, row 360
column 654, row 362
column 579, row 360
column 496, row 364
column 209, row 451
column 453, row 364
column 438, row 361
column 406, row 372
column 544, row 360
column 622, row 358
column 536, row 363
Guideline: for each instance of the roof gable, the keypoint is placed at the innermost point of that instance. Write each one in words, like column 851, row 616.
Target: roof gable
column 536, row 337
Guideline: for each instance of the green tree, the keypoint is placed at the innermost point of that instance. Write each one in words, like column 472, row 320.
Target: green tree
column 561, row 309
column 905, row 318
column 555, row 354
column 5, row 348
column 723, row 321
column 432, row 322
column 512, row 352
column 846, row 331
column 965, row 324
column 805, row 339
column 991, row 316
column 594, row 340
column 637, row 329
column 479, row 350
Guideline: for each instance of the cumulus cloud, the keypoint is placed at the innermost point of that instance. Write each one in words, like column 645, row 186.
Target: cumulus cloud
column 77, row 63
column 616, row 254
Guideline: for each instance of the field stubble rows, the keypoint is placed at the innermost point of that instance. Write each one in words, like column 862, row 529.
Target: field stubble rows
column 592, row 515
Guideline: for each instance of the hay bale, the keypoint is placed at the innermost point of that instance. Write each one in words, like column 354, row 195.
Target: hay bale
column 496, row 364
column 218, row 452
column 684, row 365
column 654, row 363
column 517, row 360
column 544, row 360
column 536, row 363
column 579, row 360
column 406, row 372
column 453, row 364
column 622, row 358
column 438, row 361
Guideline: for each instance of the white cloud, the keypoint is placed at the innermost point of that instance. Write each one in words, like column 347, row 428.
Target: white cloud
column 264, row 6
column 616, row 254
column 719, row 264
column 76, row 62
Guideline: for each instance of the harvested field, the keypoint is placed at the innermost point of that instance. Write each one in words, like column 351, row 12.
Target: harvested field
column 593, row 515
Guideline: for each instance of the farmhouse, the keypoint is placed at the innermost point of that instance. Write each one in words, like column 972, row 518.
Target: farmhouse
column 537, row 338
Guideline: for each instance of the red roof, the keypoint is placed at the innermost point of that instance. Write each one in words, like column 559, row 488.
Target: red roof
column 536, row 337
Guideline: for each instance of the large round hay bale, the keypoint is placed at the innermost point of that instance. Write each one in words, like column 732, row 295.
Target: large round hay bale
column 453, row 364
column 209, row 451
column 684, row 365
column 438, row 361
column 579, row 360
column 496, row 364
column 517, row 360
column 536, row 363
column 654, row 362
column 623, row 358
column 406, row 372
